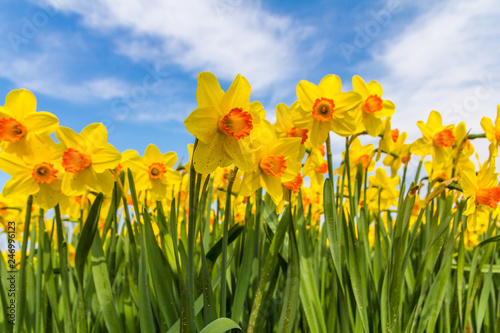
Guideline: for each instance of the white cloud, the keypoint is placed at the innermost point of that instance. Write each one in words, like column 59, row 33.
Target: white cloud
column 445, row 60
column 224, row 36
column 40, row 75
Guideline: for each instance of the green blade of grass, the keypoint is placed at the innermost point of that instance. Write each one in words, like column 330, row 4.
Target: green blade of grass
column 102, row 285
column 291, row 298
column 220, row 325
column 270, row 262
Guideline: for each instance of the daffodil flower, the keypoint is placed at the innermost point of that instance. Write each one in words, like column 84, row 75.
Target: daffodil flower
column 382, row 189
column 437, row 139
column 222, row 123
column 316, row 166
column 492, row 132
column 87, row 159
column 482, row 191
column 276, row 161
column 20, row 124
column 36, row 174
column 372, row 108
column 393, row 144
column 326, row 108
column 286, row 126
column 154, row 172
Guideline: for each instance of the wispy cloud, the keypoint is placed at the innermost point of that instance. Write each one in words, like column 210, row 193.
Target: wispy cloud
column 445, row 60
column 224, row 36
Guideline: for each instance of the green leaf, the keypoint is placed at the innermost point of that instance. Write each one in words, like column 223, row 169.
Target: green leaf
column 87, row 236
column 103, row 287
column 220, row 325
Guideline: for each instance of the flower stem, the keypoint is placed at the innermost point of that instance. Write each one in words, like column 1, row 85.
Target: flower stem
column 227, row 214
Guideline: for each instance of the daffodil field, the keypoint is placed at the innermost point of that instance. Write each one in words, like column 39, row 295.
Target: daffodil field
column 259, row 231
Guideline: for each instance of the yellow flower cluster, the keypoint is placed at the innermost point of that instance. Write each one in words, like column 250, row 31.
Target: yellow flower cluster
column 232, row 133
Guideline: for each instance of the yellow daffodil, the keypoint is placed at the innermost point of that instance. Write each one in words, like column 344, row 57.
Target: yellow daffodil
column 359, row 154
column 437, row 139
column 222, row 123
column 20, row 124
column 384, row 188
column 37, row 173
column 316, row 166
column 492, row 132
column 87, row 159
column 373, row 108
column 393, row 144
column 483, row 193
column 154, row 172
column 276, row 161
column 326, row 108
column 286, row 125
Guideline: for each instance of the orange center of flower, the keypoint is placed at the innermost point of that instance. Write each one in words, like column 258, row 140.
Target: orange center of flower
column 157, row 170
column 372, row 104
column 445, row 138
column 11, row 130
column 3, row 204
column 323, row 168
column 364, row 160
column 295, row 184
column 74, row 161
column 237, row 123
column 488, row 196
column 323, row 109
column 395, row 134
column 497, row 134
column 405, row 158
column 273, row 165
column 295, row 132
column 44, row 173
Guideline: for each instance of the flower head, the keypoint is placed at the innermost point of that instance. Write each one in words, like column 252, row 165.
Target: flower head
column 223, row 123
column 21, row 127
column 325, row 108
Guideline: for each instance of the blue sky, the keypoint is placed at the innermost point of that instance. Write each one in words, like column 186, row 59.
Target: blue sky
column 133, row 64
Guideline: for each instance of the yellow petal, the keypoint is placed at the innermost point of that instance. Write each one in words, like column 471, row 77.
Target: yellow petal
column 372, row 124
column 21, row 186
column 359, row 86
column 468, row 181
column 13, row 165
column 47, row 197
column 105, row 157
column 102, row 182
column 288, row 147
column 41, row 122
column 319, row 132
column 159, row 190
column 152, row 155
column 272, row 186
column 203, row 123
column 209, row 93
column 307, row 93
column 237, row 96
column 488, row 128
column 169, row 159
column 330, row 85
column 421, row 147
column 19, row 103
column 345, row 126
column 70, row 139
column 76, row 183
column 239, row 152
column 95, row 134
column 375, row 88
column 208, row 156
column 346, row 101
